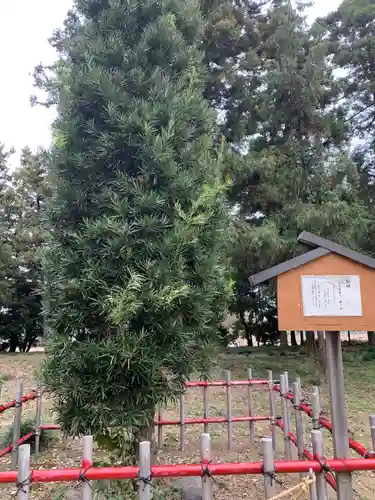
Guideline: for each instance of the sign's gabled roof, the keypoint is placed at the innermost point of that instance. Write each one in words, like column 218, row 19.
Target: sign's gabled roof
column 321, row 247
column 316, row 241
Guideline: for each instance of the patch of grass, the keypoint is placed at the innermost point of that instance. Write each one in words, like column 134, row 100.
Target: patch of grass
column 262, row 359
column 4, row 377
column 27, row 426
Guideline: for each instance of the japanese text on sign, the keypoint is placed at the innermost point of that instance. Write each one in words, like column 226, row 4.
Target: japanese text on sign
column 331, row 296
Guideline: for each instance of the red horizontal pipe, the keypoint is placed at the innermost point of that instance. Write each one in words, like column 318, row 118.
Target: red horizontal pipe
column 222, row 383
column 182, row 470
column 12, row 404
column 324, row 422
column 353, row 444
column 329, row 478
column 22, row 440
column 50, row 427
column 211, row 420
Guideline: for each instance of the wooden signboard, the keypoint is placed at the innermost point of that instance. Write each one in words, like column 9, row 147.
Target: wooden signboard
column 331, row 289
column 331, row 293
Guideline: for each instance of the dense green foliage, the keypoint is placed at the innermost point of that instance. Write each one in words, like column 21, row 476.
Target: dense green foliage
column 136, row 257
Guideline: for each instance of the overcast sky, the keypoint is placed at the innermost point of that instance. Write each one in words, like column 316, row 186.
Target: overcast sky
column 25, row 26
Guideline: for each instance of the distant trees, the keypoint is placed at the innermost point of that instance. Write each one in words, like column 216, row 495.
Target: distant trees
column 289, row 121
column 22, row 191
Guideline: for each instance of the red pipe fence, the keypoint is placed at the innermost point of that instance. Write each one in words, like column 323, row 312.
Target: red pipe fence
column 308, row 462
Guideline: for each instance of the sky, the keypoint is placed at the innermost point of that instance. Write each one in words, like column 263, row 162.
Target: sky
column 25, row 26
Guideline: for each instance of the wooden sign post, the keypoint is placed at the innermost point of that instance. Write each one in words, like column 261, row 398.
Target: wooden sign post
column 327, row 289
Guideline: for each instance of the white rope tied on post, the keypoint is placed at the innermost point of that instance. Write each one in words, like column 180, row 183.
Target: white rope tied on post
column 300, row 489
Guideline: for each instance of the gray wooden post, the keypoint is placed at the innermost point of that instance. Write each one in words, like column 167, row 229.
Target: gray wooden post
column 318, row 452
column 315, row 408
column 87, row 442
column 251, row 411
column 23, row 483
column 287, row 448
column 289, row 409
column 372, row 429
column 205, row 452
column 17, row 423
column 340, row 431
column 286, row 375
column 272, row 406
column 144, row 470
column 268, row 468
column 205, row 407
column 160, row 427
column 229, row 408
column 300, row 433
column 312, row 487
column 182, row 422
column 38, row 417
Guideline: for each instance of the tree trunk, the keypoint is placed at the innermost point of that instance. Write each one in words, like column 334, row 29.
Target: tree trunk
column 371, row 338
column 302, row 337
column 310, row 344
column 322, row 353
column 284, row 340
column 349, row 338
column 146, row 433
column 248, row 333
column 249, row 339
column 293, row 338
column 13, row 344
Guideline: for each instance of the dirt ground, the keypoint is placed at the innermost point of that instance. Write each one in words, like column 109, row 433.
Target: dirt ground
column 360, row 391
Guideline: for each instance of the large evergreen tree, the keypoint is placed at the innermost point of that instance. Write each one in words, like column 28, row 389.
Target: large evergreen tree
column 134, row 263
column 351, row 34
column 281, row 112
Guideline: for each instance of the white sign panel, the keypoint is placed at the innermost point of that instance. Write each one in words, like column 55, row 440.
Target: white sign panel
column 331, row 296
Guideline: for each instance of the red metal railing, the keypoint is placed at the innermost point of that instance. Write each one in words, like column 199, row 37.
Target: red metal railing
column 12, row 404
column 211, row 420
column 181, row 470
column 324, row 422
column 223, row 383
column 329, row 478
column 186, row 470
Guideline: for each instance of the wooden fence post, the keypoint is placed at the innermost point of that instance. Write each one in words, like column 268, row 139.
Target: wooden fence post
column 229, row 408
column 300, row 434
column 250, row 400
column 145, row 470
column 287, row 448
column 205, row 452
column 286, row 375
column 340, row 430
column 205, row 407
column 23, row 482
column 87, row 442
column 17, row 423
column 268, row 468
column 318, row 452
column 372, row 429
column 160, row 427
column 272, row 407
column 38, row 418
column 182, row 422
column 315, row 407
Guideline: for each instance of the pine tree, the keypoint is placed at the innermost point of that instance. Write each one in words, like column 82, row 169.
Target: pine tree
column 282, row 114
column 135, row 259
column 6, row 217
column 351, row 31
column 21, row 196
